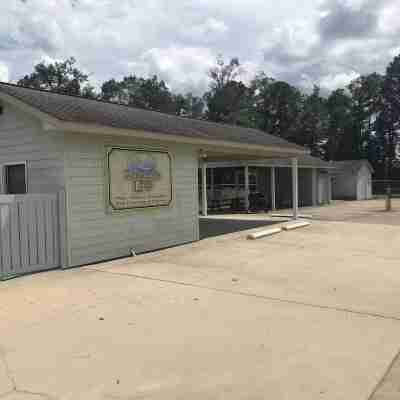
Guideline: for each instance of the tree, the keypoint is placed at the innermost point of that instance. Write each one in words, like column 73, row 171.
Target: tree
column 222, row 74
column 151, row 94
column 227, row 104
column 313, row 123
column 366, row 93
column 228, row 99
column 388, row 119
column 112, row 91
column 189, row 105
column 278, row 107
column 338, row 146
column 61, row 77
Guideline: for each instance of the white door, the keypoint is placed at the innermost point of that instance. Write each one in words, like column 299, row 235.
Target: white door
column 323, row 188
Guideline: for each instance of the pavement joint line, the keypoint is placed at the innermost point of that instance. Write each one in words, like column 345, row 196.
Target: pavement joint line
column 13, row 381
column 384, row 376
column 9, row 375
column 254, row 295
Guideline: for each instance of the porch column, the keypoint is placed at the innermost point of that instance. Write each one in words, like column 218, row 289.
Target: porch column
column 314, row 187
column 273, row 189
column 330, row 188
column 204, row 188
column 212, row 180
column 246, row 187
column 295, row 187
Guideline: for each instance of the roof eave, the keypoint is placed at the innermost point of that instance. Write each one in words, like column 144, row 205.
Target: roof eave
column 75, row 127
column 46, row 119
column 51, row 123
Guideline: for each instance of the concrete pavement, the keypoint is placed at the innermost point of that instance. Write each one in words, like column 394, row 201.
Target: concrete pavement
column 309, row 314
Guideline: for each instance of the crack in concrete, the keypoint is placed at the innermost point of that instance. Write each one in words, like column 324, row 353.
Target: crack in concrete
column 3, row 358
column 11, row 377
column 254, row 295
column 381, row 381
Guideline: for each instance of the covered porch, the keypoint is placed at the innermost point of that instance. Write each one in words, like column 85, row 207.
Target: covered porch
column 262, row 185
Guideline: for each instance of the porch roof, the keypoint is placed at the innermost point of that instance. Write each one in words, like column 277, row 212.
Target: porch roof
column 305, row 161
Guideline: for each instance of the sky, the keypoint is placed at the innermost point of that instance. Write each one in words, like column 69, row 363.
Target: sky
column 304, row 42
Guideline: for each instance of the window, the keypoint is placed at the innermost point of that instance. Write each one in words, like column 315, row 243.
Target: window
column 15, row 179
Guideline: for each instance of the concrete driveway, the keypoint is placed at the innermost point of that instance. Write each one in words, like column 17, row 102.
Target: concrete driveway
column 307, row 314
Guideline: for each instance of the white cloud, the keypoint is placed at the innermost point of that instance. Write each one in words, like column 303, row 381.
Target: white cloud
column 179, row 39
column 332, row 82
column 184, row 68
column 4, row 72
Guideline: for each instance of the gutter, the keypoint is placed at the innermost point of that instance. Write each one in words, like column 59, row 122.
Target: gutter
column 51, row 123
column 74, row 127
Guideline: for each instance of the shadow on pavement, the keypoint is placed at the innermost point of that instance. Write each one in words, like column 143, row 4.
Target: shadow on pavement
column 211, row 227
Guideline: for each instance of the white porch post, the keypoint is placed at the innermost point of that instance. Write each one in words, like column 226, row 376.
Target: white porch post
column 273, row 189
column 330, row 188
column 314, row 187
column 295, row 187
column 204, row 188
column 246, row 187
column 212, row 180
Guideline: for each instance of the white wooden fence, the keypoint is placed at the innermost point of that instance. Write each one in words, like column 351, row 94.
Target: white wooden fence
column 32, row 233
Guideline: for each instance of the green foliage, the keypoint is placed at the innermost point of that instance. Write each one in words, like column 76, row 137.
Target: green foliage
column 61, row 77
column 228, row 99
column 388, row 118
column 359, row 121
column 150, row 94
column 313, row 124
column 189, row 105
column 278, row 107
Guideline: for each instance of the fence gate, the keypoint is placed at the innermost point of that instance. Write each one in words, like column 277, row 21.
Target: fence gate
column 32, row 233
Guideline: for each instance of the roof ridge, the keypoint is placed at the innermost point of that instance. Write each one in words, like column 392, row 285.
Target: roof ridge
column 138, row 108
column 63, row 107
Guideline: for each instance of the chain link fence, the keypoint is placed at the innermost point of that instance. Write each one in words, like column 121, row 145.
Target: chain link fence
column 379, row 187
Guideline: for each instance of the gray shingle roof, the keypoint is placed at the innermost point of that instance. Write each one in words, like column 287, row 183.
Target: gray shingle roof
column 310, row 161
column 351, row 165
column 81, row 110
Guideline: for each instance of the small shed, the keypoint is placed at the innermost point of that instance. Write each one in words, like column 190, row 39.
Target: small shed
column 352, row 180
column 83, row 181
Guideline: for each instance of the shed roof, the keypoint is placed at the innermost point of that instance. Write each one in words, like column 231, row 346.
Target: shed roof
column 310, row 161
column 352, row 165
column 77, row 109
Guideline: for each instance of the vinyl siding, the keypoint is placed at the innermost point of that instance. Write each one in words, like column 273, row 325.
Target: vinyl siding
column 345, row 186
column 96, row 235
column 364, row 184
column 22, row 139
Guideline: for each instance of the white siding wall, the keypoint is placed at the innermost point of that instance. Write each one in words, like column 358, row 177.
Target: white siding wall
column 324, row 188
column 23, row 139
column 345, row 186
column 96, row 235
column 364, row 184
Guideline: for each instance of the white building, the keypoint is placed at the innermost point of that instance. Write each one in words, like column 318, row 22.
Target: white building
column 84, row 181
column 352, row 180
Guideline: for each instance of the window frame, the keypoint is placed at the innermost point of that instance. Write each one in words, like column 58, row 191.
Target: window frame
column 4, row 183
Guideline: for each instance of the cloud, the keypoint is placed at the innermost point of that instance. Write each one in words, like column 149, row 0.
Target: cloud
column 4, row 72
column 183, row 68
column 322, row 42
column 344, row 20
column 334, row 81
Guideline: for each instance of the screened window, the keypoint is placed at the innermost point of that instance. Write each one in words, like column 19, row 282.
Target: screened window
column 15, row 179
